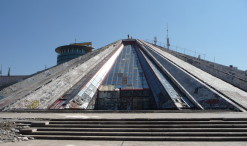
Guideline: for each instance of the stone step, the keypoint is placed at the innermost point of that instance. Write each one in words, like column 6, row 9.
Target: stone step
column 144, row 129
column 154, row 119
column 20, row 124
column 24, row 122
column 147, row 126
column 148, row 122
column 138, row 138
column 194, row 134
column 139, row 129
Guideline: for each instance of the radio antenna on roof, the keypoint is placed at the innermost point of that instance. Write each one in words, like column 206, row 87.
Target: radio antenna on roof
column 167, row 38
column 1, row 71
column 9, row 72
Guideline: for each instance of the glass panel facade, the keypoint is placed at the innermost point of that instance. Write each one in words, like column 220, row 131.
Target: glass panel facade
column 174, row 94
column 88, row 91
column 161, row 97
column 141, row 84
column 126, row 72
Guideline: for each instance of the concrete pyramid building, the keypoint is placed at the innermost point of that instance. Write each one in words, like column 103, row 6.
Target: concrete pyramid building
column 131, row 74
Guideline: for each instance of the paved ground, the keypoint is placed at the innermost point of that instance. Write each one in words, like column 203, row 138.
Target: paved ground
column 125, row 115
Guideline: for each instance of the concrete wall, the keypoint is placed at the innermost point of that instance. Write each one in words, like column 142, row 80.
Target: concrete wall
column 229, row 74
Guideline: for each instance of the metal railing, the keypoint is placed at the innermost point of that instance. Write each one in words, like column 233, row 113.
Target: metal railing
column 185, row 51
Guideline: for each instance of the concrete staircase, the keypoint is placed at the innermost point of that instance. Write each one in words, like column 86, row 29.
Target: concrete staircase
column 199, row 129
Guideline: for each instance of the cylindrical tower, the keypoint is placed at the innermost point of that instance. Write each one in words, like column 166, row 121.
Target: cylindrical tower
column 68, row 52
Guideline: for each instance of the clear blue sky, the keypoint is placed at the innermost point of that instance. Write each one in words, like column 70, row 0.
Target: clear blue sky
column 30, row 30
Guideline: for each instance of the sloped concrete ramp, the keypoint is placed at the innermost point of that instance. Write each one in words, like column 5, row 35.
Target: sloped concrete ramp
column 42, row 89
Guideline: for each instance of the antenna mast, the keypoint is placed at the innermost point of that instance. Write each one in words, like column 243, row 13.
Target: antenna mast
column 167, row 38
column 155, row 40
column 9, row 72
column 1, row 71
